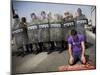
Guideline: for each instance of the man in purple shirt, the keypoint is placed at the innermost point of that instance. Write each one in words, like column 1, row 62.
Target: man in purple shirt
column 76, row 47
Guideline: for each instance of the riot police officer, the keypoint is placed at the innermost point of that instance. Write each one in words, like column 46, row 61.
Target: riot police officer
column 50, row 21
column 43, row 34
column 55, row 32
column 26, row 46
column 68, row 18
column 80, row 27
column 33, row 32
column 15, row 26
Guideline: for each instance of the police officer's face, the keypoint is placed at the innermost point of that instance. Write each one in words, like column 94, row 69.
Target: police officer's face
column 33, row 17
column 43, row 15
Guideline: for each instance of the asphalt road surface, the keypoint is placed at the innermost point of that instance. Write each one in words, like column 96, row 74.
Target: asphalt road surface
column 44, row 62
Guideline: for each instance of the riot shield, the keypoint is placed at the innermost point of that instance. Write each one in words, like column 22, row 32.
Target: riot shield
column 33, row 34
column 43, row 34
column 80, row 25
column 67, row 27
column 56, row 33
column 18, row 37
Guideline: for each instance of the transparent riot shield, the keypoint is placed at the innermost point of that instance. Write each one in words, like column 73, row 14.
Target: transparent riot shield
column 18, row 37
column 43, row 34
column 56, row 33
column 67, row 27
column 80, row 25
column 33, row 35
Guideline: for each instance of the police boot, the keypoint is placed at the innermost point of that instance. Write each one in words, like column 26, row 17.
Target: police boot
column 36, row 49
column 62, row 44
column 30, row 47
column 24, row 51
column 51, row 48
column 52, row 45
column 40, row 47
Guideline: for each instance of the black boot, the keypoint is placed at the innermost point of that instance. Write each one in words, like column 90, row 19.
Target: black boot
column 40, row 44
column 36, row 50
column 30, row 47
column 52, row 47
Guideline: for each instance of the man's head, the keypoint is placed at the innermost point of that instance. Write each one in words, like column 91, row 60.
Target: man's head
column 74, row 33
column 23, row 19
column 33, row 15
column 66, row 14
column 43, row 14
column 79, row 11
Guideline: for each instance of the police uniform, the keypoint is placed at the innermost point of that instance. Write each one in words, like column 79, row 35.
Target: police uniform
column 80, row 27
column 25, row 40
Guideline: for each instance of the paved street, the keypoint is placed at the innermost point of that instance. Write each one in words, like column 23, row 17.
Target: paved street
column 44, row 62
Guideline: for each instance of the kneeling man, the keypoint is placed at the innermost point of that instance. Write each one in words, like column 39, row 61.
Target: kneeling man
column 76, row 48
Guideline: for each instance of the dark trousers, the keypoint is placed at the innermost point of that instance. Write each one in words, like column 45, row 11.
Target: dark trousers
column 28, row 47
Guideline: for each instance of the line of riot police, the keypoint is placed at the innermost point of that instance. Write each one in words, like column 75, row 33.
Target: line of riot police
column 46, row 33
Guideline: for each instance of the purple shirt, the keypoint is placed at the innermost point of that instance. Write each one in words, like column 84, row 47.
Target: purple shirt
column 76, row 45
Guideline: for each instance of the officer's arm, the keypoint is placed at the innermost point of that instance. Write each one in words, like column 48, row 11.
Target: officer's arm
column 69, row 50
column 83, row 48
